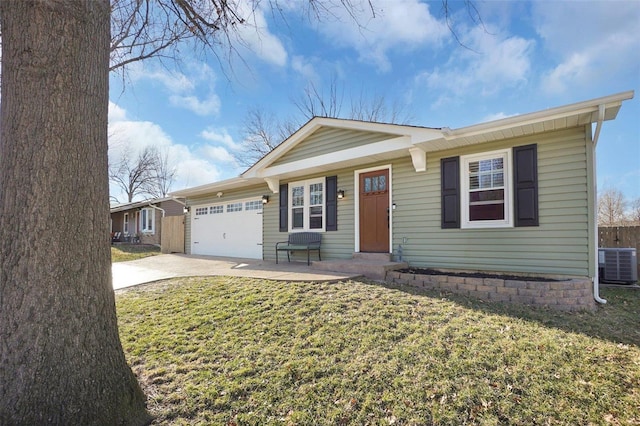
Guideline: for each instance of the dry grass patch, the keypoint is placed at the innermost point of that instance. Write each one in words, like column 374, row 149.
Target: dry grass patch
column 126, row 252
column 238, row 351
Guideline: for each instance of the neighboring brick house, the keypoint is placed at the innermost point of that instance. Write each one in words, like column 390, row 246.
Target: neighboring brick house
column 141, row 221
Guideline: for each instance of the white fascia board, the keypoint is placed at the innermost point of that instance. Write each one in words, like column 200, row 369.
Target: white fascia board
column 402, row 143
column 416, row 135
column 212, row 188
column 137, row 204
column 611, row 103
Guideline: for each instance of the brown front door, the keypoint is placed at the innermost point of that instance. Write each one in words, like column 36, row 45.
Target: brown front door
column 374, row 211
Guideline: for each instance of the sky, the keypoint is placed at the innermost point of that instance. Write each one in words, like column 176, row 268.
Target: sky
column 523, row 57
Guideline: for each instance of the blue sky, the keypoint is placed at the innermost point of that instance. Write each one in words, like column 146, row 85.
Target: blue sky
column 529, row 56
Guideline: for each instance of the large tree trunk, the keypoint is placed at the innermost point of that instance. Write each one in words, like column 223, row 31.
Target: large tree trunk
column 61, row 361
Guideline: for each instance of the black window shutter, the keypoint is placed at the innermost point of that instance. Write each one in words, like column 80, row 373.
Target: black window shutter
column 525, row 179
column 284, row 207
column 332, row 203
column 450, row 192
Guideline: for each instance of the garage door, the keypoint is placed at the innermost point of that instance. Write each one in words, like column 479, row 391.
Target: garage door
column 232, row 229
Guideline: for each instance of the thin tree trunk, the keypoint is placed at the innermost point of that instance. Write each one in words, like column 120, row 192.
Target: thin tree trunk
column 61, row 361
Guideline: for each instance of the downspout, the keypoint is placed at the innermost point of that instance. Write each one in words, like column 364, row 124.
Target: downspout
column 596, row 278
column 157, row 208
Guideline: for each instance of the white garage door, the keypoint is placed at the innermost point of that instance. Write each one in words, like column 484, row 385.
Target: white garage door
column 232, row 229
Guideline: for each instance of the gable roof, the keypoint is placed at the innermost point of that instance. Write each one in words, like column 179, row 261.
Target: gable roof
column 139, row 204
column 412, row 140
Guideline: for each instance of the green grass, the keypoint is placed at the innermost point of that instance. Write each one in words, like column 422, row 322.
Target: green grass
column 125, row 252
column 238, row 351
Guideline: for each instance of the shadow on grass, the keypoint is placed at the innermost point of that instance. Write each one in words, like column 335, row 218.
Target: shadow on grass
column 136, row 248
column 122, row 252
column 617, row 321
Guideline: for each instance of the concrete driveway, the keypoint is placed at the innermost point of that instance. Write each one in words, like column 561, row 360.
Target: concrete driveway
column 154, row 268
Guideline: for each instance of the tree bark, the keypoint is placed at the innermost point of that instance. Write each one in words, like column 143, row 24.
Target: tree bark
column 61, row 360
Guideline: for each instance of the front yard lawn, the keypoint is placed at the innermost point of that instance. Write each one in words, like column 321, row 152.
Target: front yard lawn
column 239, row 351
column 125, row 252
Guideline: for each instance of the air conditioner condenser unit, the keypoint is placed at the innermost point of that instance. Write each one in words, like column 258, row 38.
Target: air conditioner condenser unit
column 619, row 265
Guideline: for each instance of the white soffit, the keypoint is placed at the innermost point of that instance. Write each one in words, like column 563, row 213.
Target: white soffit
column 212, row 188
column 402, row 137
column 568, row 116
column 368, row 153
column 409, row 140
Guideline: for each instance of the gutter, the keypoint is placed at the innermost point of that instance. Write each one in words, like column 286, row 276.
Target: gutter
column 184, row 204
column 596, row 278
column 157, row 208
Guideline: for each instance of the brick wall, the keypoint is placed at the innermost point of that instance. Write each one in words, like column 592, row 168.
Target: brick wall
column 571, row 295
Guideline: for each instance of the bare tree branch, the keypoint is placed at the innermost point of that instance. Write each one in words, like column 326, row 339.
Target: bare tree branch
column 263, row 131
column 136, row 177
column 611, row 207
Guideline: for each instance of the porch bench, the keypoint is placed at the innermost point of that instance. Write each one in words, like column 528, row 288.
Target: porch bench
column 299, row 241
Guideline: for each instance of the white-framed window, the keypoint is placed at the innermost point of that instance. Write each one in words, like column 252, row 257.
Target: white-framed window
column 147, row 220
column 234, row 207
column 253, row 205
column 201, row 211
column 216, row 209
column 307, row 205
column 487, row 195
column 125, row 224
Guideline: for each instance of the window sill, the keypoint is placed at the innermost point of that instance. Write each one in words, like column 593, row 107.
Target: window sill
column 486, row 225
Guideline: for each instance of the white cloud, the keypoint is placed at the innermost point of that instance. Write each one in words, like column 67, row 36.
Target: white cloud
column 574, row 68
column 256, row 36
column 133, row 136
column 194, row 167
column 194, row 91
column 218, row 154
column 497, row 116
column 495, row 63
column 207, row 106
column 402, row 24
column 116, row 113
column 219, row 136
column 305, row 68
column 586, row 45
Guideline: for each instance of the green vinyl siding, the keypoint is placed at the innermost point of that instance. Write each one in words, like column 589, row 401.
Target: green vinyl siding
column 327, row 140
column 558, row 246
column 335, row 244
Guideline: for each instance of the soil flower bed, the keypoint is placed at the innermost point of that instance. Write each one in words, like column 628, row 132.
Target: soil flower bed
column 429, row 271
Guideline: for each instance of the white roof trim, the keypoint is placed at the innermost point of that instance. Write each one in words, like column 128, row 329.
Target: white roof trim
column 413, row 134
column 413, row 140
column 611, row 103
column 401, row 143
column 144, row 203
column 214, row 187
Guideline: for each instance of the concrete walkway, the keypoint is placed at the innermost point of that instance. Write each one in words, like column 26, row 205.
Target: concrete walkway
column 154, row 268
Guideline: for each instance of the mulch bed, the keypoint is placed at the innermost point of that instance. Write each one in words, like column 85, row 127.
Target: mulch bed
column 427, row 271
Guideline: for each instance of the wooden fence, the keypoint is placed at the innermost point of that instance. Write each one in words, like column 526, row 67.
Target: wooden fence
column 620, row 237
column 172, row 234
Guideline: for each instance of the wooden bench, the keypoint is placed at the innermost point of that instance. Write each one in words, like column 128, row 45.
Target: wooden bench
column 297, row 241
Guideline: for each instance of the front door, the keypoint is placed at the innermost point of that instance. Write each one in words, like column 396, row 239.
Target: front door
column 374, row 211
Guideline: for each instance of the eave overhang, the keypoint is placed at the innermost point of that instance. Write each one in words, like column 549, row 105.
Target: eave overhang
column 139, row 204
column 412, row 141
column 564, row 117
column 221, row 186
column 401, row 140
